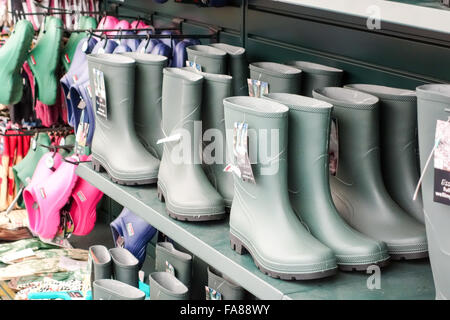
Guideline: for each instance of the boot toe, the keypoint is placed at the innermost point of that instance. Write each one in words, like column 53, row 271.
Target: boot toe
column 365, row 253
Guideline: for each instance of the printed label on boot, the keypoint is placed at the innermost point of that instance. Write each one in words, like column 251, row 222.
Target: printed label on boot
column 333, row 151
column 170, row 269
column 257, row 88
column 240, row 151
column 130, row 229
column 100, row 94
column 194, row 65
column 212, row 294
column 442, row 163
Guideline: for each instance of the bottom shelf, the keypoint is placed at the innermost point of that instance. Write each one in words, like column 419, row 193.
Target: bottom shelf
column 210, row 242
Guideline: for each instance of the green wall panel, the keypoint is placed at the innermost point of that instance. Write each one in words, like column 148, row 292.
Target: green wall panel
column 355, row 72
column 400, row 55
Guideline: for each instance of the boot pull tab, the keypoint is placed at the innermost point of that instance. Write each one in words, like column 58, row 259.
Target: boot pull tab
column 436, row 144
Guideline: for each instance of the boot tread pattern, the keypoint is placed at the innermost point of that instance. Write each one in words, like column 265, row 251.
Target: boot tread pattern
column 240, row 248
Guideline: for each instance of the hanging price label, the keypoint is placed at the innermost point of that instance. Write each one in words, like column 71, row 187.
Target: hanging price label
column 442, row 163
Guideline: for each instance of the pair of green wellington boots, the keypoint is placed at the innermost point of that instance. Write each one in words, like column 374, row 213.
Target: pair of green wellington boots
column 126, row 131
column 280, row 219
column 85, row 22
column 307, row 211
column 120, row 264
column 173, row 274
column 358, row 188
column 12, row 56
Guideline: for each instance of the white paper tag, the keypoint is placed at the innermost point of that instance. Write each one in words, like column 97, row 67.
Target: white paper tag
column 100, row 94
column 233, row 168
column 9, row 257
column 442, row 163
column 82, row 104
column 194, row 65
column 257, row 88
column 240, row 151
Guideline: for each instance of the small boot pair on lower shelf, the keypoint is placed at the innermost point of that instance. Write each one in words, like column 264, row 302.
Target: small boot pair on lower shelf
column 172, row 279
column 120, row 264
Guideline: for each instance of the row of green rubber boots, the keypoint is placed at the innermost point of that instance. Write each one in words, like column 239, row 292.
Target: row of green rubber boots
column 298, row 226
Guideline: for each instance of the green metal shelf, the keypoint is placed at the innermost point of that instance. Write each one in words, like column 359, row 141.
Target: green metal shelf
column 210, row 242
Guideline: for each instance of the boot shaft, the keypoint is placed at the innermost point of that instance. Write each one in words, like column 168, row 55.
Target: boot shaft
column 315, row 76
column 119, row 79
column 237, row 67
column 398, row 114
column 267, row 144
column 181, row 99
column 212, row 60
column 216, row 87
column 281, row 78
column 357, row 118
column 147, row 109
column 309, row 131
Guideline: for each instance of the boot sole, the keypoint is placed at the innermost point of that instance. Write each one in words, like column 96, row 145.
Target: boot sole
column 238, row 246
column 98, row 167
column 194, row 217
column 363, row 267
column 409, row 256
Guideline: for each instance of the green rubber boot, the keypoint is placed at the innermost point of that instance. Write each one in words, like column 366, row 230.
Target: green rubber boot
column 164, row 286
column 398, row 129
column 309, row 186
column 433, row 103
column 315, row 76
column 225, row 286
column 101, row 267
column 115, row 145
column 12, row 56
column 44, row 60
column 125, row 266
column 85, row 22
column 182, row 183
column 211, row 59
column 167, row 257
column 281, row 78
column 358, row 189
column 110, row 289
column 147, row 106
column 216, row 87
column 237, row 67
column 262, row 221
column 23, row 171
